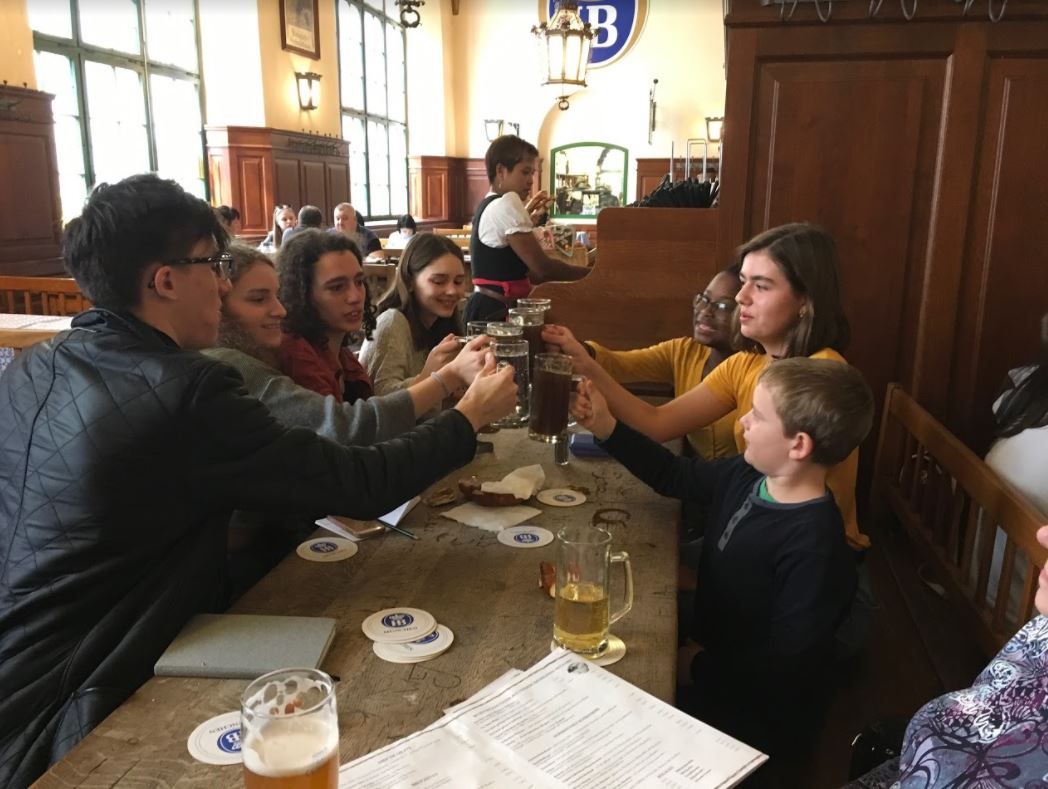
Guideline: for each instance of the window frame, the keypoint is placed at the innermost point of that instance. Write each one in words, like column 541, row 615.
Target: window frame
column 367, row 117
column 80, row 52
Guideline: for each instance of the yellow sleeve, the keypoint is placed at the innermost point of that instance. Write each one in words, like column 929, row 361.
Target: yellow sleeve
column 726, row 379
column 645, row 364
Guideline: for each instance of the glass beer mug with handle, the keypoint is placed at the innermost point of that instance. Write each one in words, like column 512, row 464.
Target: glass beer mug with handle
column 582, row 609
column 289, row 731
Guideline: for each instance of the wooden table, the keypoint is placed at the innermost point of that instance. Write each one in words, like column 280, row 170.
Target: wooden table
column 485, row 592
column 20, row 331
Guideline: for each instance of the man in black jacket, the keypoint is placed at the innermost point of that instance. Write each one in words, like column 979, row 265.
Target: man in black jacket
column 123, row 452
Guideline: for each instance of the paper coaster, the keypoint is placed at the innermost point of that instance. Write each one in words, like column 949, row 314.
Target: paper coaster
column 399, row 625
column 561, row 497
column 436, row 643
column 217, row 741
column 613, row 652
column 525, row 537
column 326, row 549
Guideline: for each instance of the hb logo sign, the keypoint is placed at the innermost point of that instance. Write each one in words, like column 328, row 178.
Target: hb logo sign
column 616, row 25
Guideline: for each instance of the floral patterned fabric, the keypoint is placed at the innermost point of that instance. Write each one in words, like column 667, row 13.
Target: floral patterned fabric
column 993, row 734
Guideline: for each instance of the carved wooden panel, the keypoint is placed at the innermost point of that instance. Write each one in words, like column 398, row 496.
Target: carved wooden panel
column 254, row 186
column 337, row 183
column 288, row 187
column 1005, row 285
column 314, row 186
column 808, row 166
column 435, row 193
column 30, row 211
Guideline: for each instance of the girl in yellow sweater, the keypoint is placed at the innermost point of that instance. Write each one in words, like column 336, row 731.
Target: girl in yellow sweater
column 789, row 305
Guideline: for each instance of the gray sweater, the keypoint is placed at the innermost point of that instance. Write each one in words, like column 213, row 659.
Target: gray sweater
column 364, row 422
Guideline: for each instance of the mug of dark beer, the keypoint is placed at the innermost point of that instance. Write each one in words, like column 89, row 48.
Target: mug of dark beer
column 550, row 395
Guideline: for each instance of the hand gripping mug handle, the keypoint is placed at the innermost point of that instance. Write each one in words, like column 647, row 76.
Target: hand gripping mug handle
column 623, row 558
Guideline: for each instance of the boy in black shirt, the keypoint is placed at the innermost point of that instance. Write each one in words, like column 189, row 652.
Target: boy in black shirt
column 775, row 576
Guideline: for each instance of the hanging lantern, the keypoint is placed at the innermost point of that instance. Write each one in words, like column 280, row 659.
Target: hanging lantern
column 564, row 47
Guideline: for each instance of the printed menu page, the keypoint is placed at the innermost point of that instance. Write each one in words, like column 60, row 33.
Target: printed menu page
column 563, row 723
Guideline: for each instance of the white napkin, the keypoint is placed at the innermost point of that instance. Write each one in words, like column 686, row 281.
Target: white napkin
column 490, row 518
column 523, row 482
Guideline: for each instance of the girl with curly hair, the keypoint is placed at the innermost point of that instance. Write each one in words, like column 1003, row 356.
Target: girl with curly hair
column 419, row 316
column 322, row 286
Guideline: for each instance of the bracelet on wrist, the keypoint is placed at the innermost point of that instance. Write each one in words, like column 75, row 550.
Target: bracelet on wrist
column 442, row 382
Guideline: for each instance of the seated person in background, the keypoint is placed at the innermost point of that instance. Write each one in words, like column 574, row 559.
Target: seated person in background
column 992, row 734
column 229, row 218
column 399, row 238
column 419, row 317
column 685, row 361
column 350, row 223
column 1019, row 454
column 249, row 338
column 505, row 257
column 284, row 218
column 323, row 289
column 123, row 453
column 775, row 574
column 309, row 217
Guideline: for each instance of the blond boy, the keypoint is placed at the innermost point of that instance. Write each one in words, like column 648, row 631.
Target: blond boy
column 775, row 575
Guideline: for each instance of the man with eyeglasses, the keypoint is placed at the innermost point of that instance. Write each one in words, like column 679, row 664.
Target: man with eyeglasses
column 123, row 452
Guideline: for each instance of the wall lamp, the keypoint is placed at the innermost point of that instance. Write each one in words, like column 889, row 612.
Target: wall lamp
column 308, row 89
column 714, row 129
column 493, row 129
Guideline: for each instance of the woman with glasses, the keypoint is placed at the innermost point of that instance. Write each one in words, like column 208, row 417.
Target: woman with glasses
column 788, row 305
column 684, row 362
column 284, row 219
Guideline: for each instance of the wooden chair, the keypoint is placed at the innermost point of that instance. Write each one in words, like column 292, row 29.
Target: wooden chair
column 379, row 277
column 41, row 296
column 952, row 505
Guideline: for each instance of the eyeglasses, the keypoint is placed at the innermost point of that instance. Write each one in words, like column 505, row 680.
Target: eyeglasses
column 703, row 300
column 221, row 264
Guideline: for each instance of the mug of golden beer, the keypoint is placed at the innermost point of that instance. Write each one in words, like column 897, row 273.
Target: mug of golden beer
column 581, row 610
column 289, row 731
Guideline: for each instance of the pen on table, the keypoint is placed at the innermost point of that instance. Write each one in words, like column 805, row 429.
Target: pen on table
column 399, row 530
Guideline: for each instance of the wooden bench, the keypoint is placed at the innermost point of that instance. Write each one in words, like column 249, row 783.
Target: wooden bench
column 41, row 296
column 952, row 505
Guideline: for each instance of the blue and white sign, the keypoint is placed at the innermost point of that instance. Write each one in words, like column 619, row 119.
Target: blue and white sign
column 616, row 26
column 229, row 742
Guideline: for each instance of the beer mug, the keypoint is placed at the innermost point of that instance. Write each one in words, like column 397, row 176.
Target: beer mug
column 532, row 321
column 550, row 396
column 534, row 304
column 289, row 730
column 581, row 611
column 513, row 351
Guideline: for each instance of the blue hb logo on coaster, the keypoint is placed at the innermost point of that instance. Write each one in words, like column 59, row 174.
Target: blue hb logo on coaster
column 563, row 497
column 229, row 741
column 323, row 547
column 428, row 639
column 525, row 537
column 397, row 620
column 616, row 25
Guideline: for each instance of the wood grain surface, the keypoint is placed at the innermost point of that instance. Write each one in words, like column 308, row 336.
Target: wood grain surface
column 487, row 593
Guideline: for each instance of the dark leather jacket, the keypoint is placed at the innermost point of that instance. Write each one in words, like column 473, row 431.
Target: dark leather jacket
column 121, row 458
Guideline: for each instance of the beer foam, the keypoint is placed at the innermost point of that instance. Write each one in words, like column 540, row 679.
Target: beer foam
column 289, row 746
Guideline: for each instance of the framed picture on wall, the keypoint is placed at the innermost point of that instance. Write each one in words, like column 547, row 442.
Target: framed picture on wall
column 300, row 27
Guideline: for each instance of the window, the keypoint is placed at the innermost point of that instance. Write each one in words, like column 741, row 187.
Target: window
column 126, row 80
column 373, row 79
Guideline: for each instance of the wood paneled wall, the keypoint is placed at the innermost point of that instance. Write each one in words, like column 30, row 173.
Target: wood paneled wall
column 255, row 169
column 30, row 206
column 920, row 146
column 445, row 189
